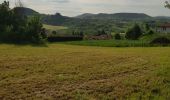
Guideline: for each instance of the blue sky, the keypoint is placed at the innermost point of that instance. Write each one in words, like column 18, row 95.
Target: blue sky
column 77, row 7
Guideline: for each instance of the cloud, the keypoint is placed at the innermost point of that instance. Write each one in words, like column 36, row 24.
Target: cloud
column 60, row 1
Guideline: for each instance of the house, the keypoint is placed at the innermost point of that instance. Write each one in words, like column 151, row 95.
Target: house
column 163, row 28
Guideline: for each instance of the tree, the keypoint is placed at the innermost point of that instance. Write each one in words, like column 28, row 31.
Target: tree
column 35, row 31
column 134, row 32
column 147, row 28
column 5, row 16
column 101, row 32
column 167, row 5
column 81, row 34
column 15, row 27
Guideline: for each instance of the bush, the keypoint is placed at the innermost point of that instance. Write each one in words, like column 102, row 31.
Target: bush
column 134, row 33
column 161, row 40
column 150, row 32
column 54, row 32
column 117, row 36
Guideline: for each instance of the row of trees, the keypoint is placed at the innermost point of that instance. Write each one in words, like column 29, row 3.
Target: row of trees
column 16, row 27
column 135, row 32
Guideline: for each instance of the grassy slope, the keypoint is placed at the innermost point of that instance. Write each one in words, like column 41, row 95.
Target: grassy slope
column 78, row 72
column 55, row 28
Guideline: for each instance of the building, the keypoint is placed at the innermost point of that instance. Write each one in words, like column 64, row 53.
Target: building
column 163, row 28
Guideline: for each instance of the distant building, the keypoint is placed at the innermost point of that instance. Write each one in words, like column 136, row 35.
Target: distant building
column 163, row 28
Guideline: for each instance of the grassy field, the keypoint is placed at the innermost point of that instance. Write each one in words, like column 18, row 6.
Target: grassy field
column 84, row 73
column 54, row 28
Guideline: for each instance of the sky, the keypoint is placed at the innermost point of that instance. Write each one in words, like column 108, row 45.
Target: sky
column 77, row 7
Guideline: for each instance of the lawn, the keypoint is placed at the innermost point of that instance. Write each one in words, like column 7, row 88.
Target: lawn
column 84, row 73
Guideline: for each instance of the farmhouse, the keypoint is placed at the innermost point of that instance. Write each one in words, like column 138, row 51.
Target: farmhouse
column 163, row 28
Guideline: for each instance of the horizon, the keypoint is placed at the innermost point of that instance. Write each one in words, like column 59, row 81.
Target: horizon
column 74, row 8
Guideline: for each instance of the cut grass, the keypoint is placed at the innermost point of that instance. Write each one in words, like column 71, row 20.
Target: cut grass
column 81, row 72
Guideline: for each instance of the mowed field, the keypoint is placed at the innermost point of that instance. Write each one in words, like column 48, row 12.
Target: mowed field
column 64, row 72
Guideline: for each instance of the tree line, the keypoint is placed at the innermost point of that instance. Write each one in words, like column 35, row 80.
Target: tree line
column 15, row 27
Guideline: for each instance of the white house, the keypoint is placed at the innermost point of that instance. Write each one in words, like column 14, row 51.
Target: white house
column 163, row 28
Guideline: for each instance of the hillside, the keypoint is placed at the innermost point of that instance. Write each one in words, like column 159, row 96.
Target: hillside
column 56, row 19
column 26, row 11
column 114, row 16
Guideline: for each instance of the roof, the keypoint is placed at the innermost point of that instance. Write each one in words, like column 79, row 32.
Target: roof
column 166, row 25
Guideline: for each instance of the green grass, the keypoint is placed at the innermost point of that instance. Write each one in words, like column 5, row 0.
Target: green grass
column 84, row 73
column 54, row 28
column 111, row 43
column 144, row 41
column 153, row 36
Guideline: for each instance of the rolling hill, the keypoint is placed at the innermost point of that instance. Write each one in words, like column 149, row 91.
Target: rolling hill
column 58, row 19
column 114, row 16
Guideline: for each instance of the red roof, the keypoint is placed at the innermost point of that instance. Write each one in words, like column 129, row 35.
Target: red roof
column 166, row 25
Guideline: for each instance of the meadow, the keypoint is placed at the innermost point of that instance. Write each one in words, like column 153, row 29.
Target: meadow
column 73, row 72
column 54, row 28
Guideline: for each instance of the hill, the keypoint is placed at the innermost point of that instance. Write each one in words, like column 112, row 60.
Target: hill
column 26, row 11
column 56, row 19
column 85, row 15
column 114, row 16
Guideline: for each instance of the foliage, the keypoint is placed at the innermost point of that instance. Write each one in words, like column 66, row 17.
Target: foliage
column 161, row 40
column 134, row 33
column 150, row 32
column 15, row 27
column 35, row 31
column 147, row 28
column 167, row 5
column 117, row 36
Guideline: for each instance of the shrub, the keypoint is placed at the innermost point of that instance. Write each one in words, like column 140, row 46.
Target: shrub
column 54, row 32
column 117, row 36
column 161, row 40
column 150, row 32
column 134, row 33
